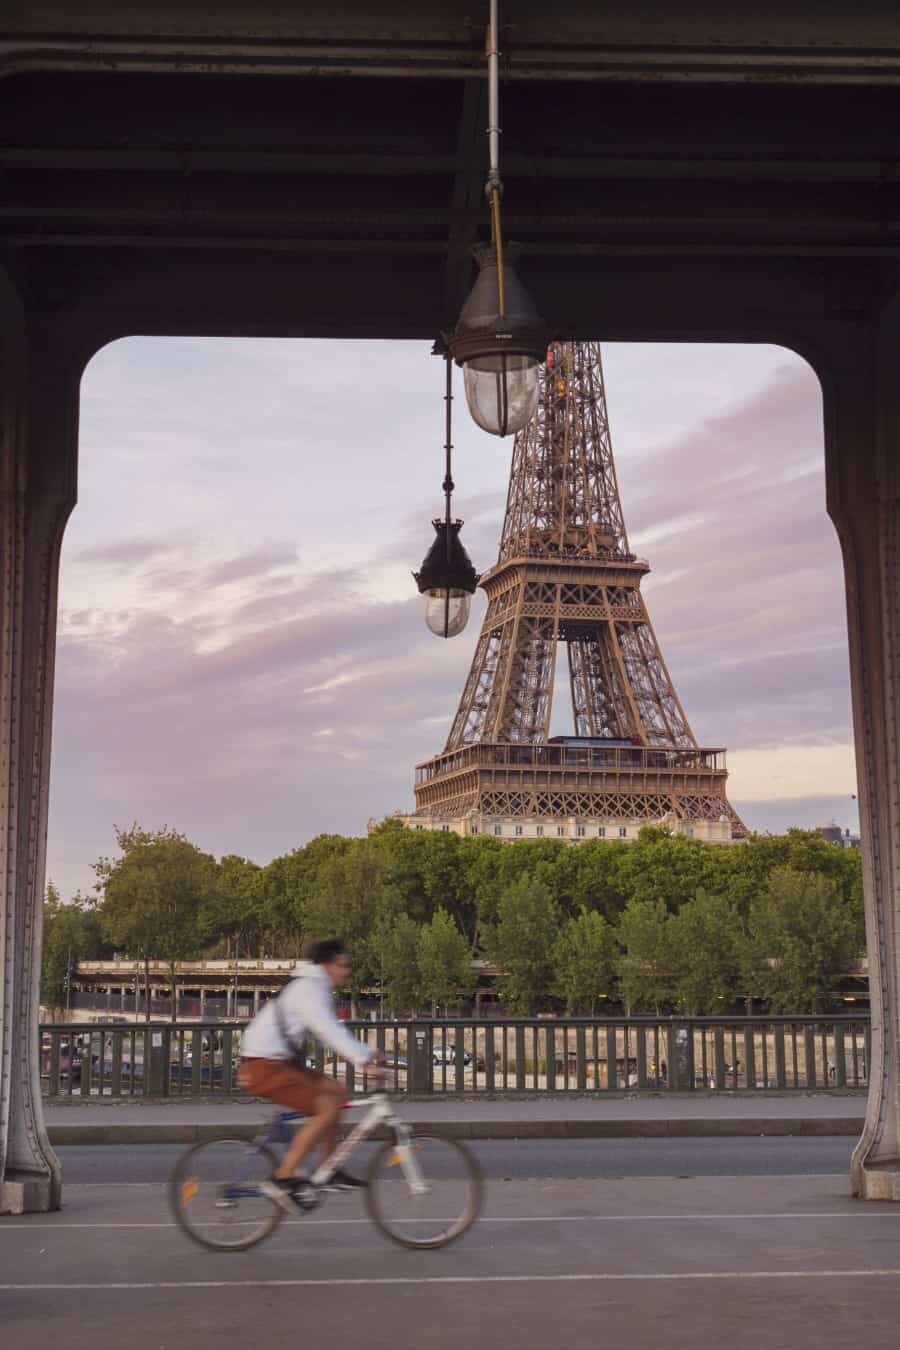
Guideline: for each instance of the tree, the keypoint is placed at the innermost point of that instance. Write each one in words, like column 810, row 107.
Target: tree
column 802, row 936
column 286, row 882
column 704, row 939
column 521, row 941
column 395, row 949
column 597, row 882
column 351, row 893
column 645, row 966
column 71, row 933
column 152, row 898
column 660, row 866
column 584, row 960
column 428, row 868
column 445, row 967
column 483, row 872
column 234, row 911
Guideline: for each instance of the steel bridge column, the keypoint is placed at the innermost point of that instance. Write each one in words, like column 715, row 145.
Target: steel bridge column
column 862, row 436
column 38, row 440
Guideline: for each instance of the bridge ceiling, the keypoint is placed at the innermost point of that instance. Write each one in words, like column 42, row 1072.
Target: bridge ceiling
column 248, row 170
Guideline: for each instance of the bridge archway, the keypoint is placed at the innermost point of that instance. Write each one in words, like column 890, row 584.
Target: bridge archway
column 651, row 207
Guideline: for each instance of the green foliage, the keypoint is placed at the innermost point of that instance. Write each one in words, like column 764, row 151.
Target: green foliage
column 427, row 867
column 802, row 936
column 395, row 955
column 154, row 895
column 521, row 941
column 584, row 961
column 646, row 975
column 664, row 868
column 349, row 895
column 445, row 970
column 597, row 876
column 705, row 942
column 233, row 911
column 71, row 933
column 692, row 920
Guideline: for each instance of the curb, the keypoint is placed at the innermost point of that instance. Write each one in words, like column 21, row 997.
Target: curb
column 677, row 1128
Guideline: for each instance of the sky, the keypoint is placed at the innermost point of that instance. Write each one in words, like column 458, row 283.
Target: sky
column 242, row 653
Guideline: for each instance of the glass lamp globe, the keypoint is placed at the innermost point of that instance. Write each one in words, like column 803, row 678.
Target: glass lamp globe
column 502, row 392
column 447, row 610
column 446, row 581
column 499, row 352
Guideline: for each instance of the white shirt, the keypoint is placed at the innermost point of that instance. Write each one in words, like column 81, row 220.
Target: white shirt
column 307, row 1009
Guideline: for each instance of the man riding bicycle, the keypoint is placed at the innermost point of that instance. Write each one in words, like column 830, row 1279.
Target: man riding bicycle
column 273, row 1063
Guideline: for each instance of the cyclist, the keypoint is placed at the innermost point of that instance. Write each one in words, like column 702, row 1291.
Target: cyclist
column 273, row 1063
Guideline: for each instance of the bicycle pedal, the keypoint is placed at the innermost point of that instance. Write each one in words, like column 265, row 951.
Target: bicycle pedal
column 306, row 1198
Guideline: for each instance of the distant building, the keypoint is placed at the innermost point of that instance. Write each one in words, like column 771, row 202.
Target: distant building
column 835, row 835
column 570, row 829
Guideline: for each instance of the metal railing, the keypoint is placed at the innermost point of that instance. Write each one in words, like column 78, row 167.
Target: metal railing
column 455, row 1056
column 207, row 1009
column 631, row 759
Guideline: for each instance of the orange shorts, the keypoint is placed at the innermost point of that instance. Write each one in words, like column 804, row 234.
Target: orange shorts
column 284, row 1082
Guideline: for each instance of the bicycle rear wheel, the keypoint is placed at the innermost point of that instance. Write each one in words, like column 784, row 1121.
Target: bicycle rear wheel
column 442, row 1209
column 214, row 1194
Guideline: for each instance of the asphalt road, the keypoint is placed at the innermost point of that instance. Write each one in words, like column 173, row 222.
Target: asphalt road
column 640, row 1243
column 526, row 1159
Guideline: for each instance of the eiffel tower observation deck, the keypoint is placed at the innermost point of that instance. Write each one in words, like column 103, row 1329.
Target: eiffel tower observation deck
column 565, row 575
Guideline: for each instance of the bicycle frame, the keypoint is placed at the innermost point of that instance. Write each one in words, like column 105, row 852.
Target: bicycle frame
column 380, row 1112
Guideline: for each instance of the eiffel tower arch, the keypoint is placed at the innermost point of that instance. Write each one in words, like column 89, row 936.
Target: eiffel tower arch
column 566, row 577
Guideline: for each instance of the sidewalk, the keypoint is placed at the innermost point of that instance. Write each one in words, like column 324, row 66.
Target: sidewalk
column 690, row 1114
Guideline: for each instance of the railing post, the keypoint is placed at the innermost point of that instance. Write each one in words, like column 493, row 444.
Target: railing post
column 419, row 1051
column 719, row 1057
column 809, row 1055
column 840, row 1057
column 681, row 1056
column 86, row 1054
column 156, row 1061
column 550, row 1056
column 520, row 1058
column 197, row 1063
column 749, row 1056
column 115, row 1076
column 641, row 1036
column 53, row 1086
column 780, row 1069
column 580, row 1059
column 489, row 1068
column 227, row 1059
column 612, row 1055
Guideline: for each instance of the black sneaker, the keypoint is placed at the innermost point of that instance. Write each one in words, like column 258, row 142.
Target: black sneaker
column 343, row 1181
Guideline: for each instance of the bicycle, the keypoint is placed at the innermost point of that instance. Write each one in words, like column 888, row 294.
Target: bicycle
column 215, row 1197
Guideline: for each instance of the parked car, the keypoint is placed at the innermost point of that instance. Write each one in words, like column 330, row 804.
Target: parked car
column 446, row 1054
column 70, row 1058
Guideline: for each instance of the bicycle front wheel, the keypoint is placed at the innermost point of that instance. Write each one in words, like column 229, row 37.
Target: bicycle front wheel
column 214, row 1194
column 428, row 1199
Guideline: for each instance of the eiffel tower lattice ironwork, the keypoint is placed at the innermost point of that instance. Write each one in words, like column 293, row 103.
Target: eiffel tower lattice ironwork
column 566, row 575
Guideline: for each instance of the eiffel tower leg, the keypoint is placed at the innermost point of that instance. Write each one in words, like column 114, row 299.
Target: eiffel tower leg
column 38, row 438
column 862, row 421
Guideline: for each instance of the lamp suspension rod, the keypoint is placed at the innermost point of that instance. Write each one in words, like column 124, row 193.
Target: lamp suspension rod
column 448, row 445
column 494, row 187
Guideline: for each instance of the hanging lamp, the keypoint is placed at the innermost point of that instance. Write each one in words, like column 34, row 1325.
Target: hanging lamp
column 500, row 340
column 447, row 579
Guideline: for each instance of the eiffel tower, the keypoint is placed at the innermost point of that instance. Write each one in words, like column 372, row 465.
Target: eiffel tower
column 565, row 575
